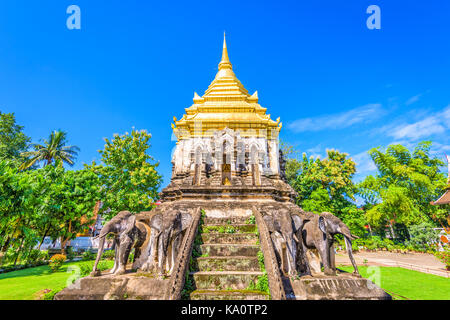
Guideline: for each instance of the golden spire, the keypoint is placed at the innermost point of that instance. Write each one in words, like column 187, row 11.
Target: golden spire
column 225, row 62
column 226, row 104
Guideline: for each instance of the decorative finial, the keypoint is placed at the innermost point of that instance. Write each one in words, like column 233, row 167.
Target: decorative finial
column 225, row 62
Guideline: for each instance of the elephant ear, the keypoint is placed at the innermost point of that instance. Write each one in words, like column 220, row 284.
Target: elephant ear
column 269, row 223
column 156, row 222
column 186, row 220
column 322, row 225
column 298, row 222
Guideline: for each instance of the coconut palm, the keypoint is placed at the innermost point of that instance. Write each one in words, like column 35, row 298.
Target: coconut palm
column 53, row 149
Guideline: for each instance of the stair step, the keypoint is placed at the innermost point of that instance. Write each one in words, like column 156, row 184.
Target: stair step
column 228, row 295
column 226, row 250
column 235, row 280
column 228, row 228
column 228, row 264
column 231, row 238
column 229, row 220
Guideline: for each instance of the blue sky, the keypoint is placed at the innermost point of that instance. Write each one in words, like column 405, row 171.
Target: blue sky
column 334, row 83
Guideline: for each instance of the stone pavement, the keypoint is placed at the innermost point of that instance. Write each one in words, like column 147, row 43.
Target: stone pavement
column 422, row 262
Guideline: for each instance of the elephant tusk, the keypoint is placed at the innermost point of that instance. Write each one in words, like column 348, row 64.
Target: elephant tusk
column 295, row 238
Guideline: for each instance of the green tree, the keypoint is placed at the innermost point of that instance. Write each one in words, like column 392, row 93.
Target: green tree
column 128, row 174
column 17, row 204
column 53, row 149
column 325, row 185
column 12, row 139
column 293, row 164
column 328, row 182
column 404, row 186
column 69, row 197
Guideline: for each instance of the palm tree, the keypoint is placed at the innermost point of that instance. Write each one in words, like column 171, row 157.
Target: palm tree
column 53, row 149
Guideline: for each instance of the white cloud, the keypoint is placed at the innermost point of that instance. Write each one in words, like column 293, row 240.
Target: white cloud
column 433, row 124
column 342, row 120
column 364, row 162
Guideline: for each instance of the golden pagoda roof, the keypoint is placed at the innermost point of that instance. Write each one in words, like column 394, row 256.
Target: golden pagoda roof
column 225, row 104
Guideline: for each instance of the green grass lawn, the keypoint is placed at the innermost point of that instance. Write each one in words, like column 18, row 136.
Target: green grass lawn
column 23, row 284
column 408, row 283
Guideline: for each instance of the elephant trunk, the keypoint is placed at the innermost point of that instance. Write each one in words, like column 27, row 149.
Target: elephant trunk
column 348, row 246
column 164, row 238
column 291, row 255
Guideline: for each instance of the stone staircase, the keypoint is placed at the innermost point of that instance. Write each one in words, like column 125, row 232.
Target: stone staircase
column 228, row 261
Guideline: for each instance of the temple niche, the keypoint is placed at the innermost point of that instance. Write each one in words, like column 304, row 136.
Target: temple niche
column 226, row 139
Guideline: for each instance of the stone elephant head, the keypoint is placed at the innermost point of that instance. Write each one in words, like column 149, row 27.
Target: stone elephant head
column 331, row 225
column 169, row 227
column 283, row 228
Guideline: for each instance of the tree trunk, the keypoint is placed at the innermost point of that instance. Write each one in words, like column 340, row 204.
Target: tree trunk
column 370, row 229
column 392, row 230
column 65, row 240
column 45, row 234
column 18, row 252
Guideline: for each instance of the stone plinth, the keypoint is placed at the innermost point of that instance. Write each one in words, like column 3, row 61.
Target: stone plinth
column 341, row 287
column 133, row 286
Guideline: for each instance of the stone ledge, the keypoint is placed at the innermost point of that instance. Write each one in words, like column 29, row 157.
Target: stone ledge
column 132, row 286
column 342, row 287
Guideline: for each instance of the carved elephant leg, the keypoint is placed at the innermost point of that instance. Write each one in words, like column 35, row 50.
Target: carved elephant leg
column 302, row 255
column 324, row 251
column 126, row 243
column 116, row 254
column 151, row 261
column 332, row 258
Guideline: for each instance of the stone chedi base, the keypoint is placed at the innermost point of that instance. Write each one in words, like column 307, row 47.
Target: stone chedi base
column 341, row 287
column 131, row 286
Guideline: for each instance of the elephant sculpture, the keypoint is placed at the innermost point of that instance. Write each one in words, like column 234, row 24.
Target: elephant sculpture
column 318, row 233
column 283, row 228
column 168, row 227
column 145, row 251
column 126, row 233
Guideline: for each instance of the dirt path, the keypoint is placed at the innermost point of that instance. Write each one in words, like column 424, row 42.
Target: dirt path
column 422, row 262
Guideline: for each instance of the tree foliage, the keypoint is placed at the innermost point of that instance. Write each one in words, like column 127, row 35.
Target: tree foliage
column 53, row 149
column 12, row 139
column 404, row 186
column 325, row 185
column 127, row 173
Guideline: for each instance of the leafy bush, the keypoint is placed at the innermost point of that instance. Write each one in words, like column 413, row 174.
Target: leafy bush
column 88, row 255
column 108, row 255
column 44, row 255
column 34, row 256
column 57, row 261
column 70, row 253
column 422, row 236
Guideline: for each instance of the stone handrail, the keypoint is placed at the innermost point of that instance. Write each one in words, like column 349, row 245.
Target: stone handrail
column 270, row 261
column 178, row 276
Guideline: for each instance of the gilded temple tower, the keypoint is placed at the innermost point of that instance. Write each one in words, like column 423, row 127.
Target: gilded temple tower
column 226, row 138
